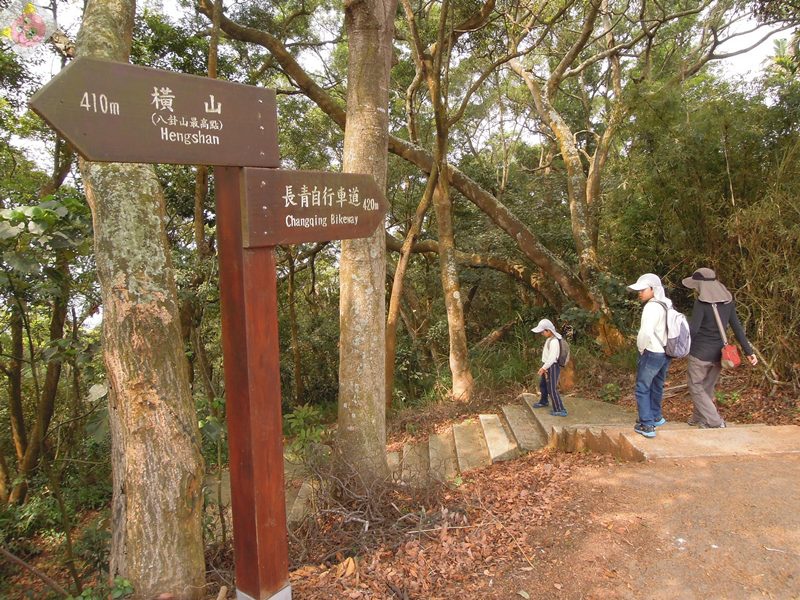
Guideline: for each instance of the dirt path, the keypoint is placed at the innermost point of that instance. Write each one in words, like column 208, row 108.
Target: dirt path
column 723, row 528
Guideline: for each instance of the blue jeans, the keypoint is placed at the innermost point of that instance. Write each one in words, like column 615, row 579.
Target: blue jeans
column 650, row 376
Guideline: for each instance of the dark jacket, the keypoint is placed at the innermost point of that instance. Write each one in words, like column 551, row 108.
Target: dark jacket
column 706, row 339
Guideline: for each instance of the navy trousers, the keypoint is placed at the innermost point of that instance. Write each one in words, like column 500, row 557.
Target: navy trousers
column 548, row 387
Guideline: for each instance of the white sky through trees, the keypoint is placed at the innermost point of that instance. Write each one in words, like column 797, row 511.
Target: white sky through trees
column 748, row 65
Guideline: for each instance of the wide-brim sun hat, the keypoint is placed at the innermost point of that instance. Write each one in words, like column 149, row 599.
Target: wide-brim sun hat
column 704, row 280
column 648, row 280
column 546, row 324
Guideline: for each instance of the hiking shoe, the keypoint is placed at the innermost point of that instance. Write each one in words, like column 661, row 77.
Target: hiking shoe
column 704, row 426
column 558, row 413
column 647, row 431
column 540, row 404
column 660, row 422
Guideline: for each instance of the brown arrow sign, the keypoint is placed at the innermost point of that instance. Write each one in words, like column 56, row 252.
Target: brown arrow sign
column 117, row 112
column 290, row 207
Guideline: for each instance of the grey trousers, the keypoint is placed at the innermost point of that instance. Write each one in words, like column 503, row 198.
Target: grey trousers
column 703, row 376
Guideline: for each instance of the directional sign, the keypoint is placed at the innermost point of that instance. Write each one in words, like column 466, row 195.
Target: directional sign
column 117, row 112
column 289, row 207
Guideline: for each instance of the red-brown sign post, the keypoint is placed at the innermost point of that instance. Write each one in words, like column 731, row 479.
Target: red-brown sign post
column 116, row 112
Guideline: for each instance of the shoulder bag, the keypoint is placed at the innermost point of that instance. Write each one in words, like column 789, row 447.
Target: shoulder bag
column 730, row 353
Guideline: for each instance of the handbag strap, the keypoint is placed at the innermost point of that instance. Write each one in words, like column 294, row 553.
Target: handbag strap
column 719, row 324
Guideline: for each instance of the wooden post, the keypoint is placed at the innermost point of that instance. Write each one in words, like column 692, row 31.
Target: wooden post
column 248, row 293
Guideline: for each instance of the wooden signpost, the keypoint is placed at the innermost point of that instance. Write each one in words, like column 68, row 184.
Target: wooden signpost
column 308, row 206
column 116, row 112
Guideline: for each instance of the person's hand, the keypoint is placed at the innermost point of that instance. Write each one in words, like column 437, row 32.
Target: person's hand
column 543, row 372
column 753, row 359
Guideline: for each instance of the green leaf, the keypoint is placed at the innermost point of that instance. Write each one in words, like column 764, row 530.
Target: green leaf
column 36, row 228
column 8, row 231
column 97, row 391
column 21, row 263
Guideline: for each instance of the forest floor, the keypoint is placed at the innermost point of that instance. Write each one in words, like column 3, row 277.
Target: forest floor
column 577, row 526
column 556, row 525
column 583, row 526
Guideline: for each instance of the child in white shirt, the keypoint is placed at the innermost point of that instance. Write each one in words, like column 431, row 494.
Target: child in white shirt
column 550, row 370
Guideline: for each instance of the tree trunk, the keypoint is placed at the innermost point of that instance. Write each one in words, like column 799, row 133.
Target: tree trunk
column 362, row 308
column 47, row 399
column 397, row 286
column 434, row 63
column 157, row 466
column 526, row 240
column 576, row 178
column 5, row 479
column 522, row 273
column 299, row 391
column 498, row 334
column 18, row 433
column 459, row 353
column 583, row 195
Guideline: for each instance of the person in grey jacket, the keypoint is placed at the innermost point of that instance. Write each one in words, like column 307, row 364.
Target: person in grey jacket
column 704, row 356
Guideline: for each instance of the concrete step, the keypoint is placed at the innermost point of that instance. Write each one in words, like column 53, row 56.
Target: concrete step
column 301, row 504
column 525, row 427
column 415, row 463
column 442, row 456
column 730, row 441
column 395, row 466
column 500, row 443
column 291, row 495
column 471, row 449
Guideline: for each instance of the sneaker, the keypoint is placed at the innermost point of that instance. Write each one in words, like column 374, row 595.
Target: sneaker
column 660, row 422
column 704, row 426
column 558, row 413
column 693, row 423
column 540, row 404
column 647, row 431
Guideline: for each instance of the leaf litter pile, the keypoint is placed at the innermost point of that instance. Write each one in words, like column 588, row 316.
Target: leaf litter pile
column 501, row 519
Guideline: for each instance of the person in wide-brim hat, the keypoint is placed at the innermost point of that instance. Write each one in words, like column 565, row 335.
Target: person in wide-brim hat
column 704, row 280
column 703, row 366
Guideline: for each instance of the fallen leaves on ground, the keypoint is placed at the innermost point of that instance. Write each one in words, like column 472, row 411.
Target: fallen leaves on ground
column 491, row 523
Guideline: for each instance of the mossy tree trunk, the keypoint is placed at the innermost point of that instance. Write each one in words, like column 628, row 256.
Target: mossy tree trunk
column 362, row 304
column 157, row 466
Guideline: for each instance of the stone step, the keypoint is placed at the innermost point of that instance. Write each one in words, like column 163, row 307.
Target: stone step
column 290, row 496
column 730, row 441
column 301, row 505
column 625, row 450
column 471, row 449
column 525, row 427
column 442, row 456
column 415, row 463
column 395, row 467
column 501, row 445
